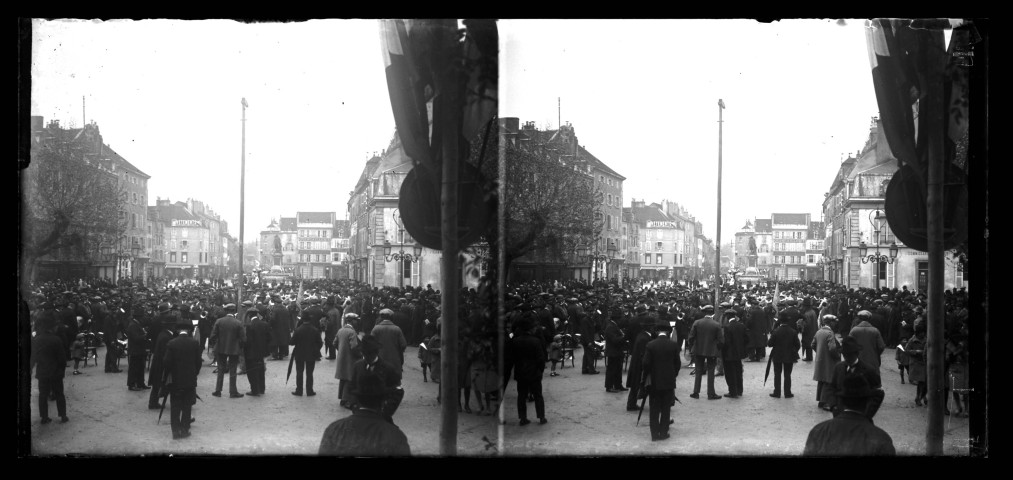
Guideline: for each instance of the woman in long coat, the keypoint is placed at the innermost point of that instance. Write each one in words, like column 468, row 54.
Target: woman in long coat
column 827, row 354
column 345, row 342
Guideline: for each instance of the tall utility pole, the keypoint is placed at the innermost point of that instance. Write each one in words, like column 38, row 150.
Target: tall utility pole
column 242, row 207
column 717, row 243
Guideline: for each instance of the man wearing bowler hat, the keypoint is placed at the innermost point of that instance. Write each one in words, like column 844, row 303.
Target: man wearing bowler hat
column 705, row 340
column 735, row 349
column 227, row 337
column 168, row 323
column 851, row 432
column 182, row 362
column 852, row 364
column 660, row 367
column 644, row 335
column 784, row 352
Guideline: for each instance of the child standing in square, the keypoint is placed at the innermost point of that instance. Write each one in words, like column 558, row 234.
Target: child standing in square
column 555, row 353
column 77, row 352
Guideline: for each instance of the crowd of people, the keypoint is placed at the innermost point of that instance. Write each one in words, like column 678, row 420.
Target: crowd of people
column 366, row 330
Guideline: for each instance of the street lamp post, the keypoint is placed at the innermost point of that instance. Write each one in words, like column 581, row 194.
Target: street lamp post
column 401, row 256
column 595, row 257
column 876, row 218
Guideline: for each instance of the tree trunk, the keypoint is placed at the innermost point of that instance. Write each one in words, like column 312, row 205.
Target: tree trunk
column 27, row 271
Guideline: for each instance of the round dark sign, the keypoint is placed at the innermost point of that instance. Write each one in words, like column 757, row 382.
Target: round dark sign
column 907, row 213
column 420, row 200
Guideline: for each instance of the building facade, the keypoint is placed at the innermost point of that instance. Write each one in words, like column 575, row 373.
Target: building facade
column 562, row 145
column 856, row 194
column 216, row 228
column 156, row 231
column 374, row 220
column 630, row 246
column 130, row 252
column 663, row 241
column 314, row 243
column 789, row 237
column 188, row 241
column 339, row 249
column 814, row 241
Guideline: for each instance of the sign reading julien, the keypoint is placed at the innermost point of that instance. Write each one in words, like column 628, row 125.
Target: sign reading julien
column 660, row 224
column 186, row 223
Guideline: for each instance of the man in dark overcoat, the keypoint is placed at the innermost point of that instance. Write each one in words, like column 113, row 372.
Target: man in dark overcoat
column 110, row 334
column 333, row 319
column 137, row 350
column 306, row 353
column 258, row 337
column 851, row 433
column 525, row 357
column 49, row 358
column 645, row 333
column 784, row 354
column 227, row 338
column 852, row 364
column 756, row 327
column 810, row 321
column 660, row 367
column 735, row 349
column 281, row 325
column 158, row 353
column 705, row 340
column 614, row 338
column 181, row 364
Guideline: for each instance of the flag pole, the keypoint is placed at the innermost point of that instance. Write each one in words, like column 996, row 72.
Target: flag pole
column 242, row 206
column 717, row 243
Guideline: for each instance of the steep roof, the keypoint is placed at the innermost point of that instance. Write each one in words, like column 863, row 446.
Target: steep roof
column 763, row 225
column 649, row 213
column 288, row 224
column 175, row 211
column 884, row 168
column 788, row 218
column 315, row 217
column 594, row 162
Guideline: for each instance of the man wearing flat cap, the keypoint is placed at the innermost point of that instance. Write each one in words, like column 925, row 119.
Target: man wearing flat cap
column 392, row 340
column 850, row 433
column 869, row 338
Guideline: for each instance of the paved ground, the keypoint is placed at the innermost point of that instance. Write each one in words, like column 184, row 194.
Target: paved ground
column 107, row 419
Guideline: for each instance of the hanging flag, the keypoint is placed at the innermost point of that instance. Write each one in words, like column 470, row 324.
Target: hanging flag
column 408, row 47
column 481, row 51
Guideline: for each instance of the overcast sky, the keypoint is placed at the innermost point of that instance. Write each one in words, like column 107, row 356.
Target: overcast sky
column 166, row 96
column 641, row 94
